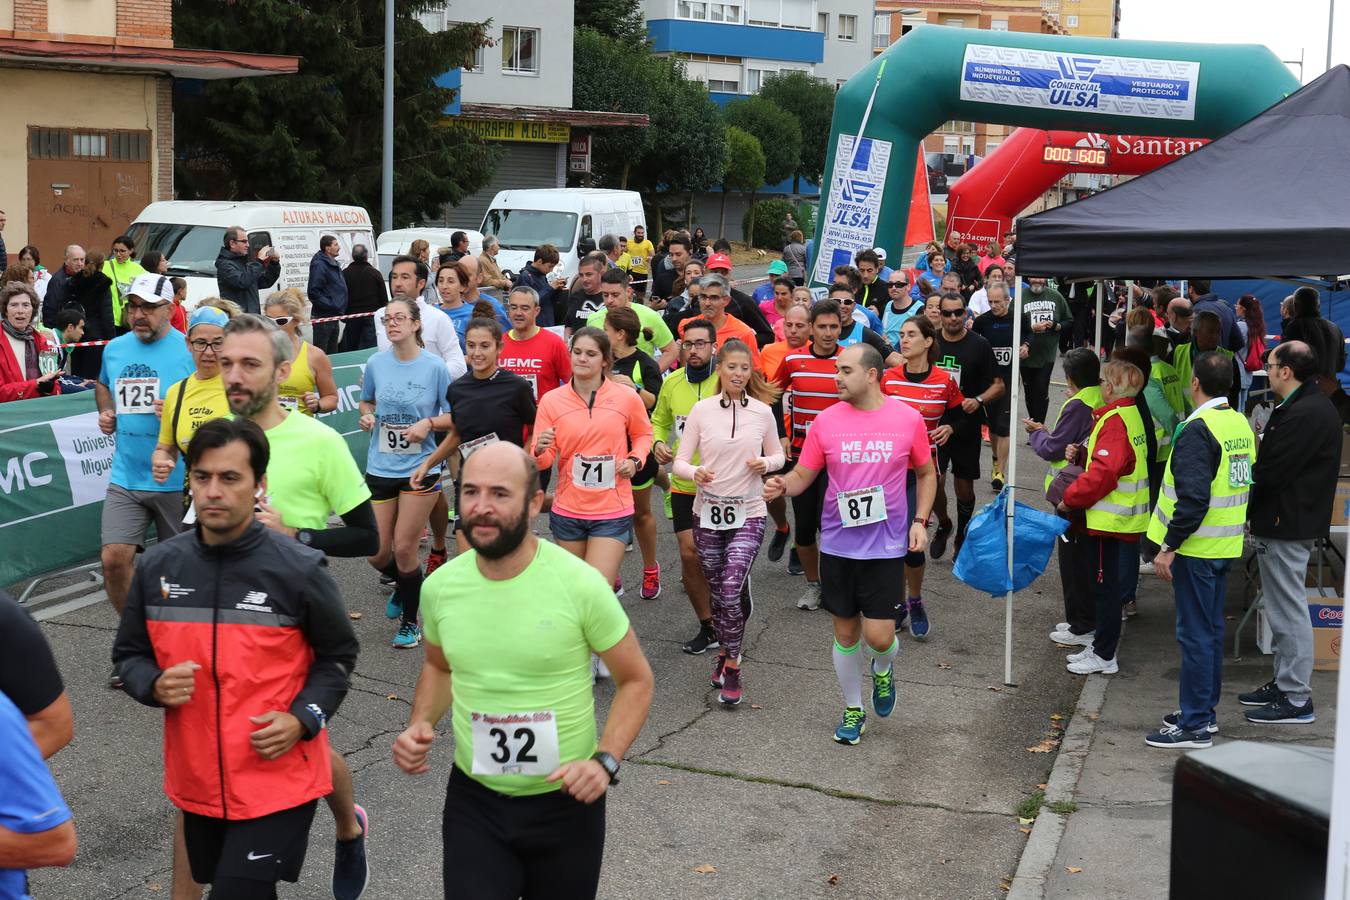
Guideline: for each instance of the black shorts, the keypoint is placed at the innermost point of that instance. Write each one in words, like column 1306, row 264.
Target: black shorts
column 999, row 413
column 807, row 508
column 268, row 849
column 500, row 848
column 962, row 455
column 383, row 489
column 644, row 477
column 681, row 511
column 867, row 586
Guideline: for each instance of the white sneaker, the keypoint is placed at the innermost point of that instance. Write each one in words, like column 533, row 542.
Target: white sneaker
column 598, row 668
column 1062, row 626
column 1065, row 636
column 1092, row 664
column 1081, row 654
column 1146, row 568
column 811, row 598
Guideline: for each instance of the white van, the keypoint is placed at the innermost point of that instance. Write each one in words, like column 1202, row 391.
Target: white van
column 571, row 219
column 191, row 233
column 400, row 240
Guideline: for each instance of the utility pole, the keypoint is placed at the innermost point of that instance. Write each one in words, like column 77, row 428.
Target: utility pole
column 1331, row 20
column 387, row 162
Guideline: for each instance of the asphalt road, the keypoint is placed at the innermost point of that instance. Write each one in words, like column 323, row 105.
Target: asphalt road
column 922, row 808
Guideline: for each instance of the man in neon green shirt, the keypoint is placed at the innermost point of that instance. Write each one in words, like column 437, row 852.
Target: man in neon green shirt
column 640, row 253
column 122, row 270
column 661, row 346
column 510, row 628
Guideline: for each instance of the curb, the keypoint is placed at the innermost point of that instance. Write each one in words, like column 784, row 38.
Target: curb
column 1038, row 856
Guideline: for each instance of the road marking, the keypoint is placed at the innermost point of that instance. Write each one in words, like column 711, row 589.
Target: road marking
column 57, row 610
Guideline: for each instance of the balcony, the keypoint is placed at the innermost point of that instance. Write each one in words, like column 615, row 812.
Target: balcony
column 721, row 39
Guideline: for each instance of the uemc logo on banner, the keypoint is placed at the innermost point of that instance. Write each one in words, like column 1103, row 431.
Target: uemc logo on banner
column 17, row 473
column 1075, row 87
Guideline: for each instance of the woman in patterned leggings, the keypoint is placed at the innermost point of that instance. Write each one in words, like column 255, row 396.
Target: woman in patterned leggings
column 734, row 438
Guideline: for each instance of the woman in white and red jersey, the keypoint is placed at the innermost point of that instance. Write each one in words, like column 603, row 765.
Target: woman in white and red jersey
column 933, row 394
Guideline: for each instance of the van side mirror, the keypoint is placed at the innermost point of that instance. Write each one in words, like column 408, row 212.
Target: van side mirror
column 584, row 246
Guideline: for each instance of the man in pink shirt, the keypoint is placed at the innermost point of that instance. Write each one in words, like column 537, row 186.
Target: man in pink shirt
column 867, row 445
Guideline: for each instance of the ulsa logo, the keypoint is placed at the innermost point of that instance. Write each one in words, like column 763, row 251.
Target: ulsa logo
column 1075, row 88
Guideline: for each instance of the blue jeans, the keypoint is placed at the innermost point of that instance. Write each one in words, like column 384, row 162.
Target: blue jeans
column 1200, row 586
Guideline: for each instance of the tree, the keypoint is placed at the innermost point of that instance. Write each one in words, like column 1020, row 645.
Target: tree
column 317, row 135
column 683, row 149
column 619, row 19
column 811, row 102
column 745, row 169
column 778, row 134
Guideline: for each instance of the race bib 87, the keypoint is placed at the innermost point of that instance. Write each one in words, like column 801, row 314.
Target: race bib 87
column 865, row 506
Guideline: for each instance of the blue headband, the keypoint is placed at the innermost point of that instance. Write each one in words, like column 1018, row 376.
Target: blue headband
column 207, row 315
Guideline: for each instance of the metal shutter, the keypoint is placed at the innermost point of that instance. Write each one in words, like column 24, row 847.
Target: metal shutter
column 522, row 166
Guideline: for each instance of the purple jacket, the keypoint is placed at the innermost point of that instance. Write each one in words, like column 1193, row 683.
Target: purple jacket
column 1074, row 427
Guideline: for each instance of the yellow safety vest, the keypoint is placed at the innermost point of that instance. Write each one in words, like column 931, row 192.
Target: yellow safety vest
column 1125, row 510
column 1183, row 360
column 1173, row 392
column 1220, row 533
column 1091, row 397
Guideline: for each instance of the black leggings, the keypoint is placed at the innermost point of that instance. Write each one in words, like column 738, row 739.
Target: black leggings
column 502, row 848
column 807, row 508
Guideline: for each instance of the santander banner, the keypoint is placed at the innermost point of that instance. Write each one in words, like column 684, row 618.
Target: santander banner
column 982, row 204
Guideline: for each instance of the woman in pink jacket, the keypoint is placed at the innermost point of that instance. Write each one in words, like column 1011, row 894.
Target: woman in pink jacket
column 735, row 437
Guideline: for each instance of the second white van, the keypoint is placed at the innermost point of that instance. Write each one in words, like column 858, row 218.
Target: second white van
column 571, row 219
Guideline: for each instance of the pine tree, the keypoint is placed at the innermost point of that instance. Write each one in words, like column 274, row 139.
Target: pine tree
column 317, row 135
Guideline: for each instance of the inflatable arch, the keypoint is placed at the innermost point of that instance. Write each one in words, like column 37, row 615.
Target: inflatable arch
column 983, row 203
column 935, row 74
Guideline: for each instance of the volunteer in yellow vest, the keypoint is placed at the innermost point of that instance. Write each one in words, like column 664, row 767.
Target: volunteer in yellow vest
column 640, row 252
column 1205, row 335
column 122, row 270
column 1112, row 494
column 310, row 388
column 1199, row 521
column 1082, row 372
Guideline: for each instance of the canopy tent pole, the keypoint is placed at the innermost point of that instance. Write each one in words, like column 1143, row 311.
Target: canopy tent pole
column 1101, row 292
column 1129, row 301
column 1012, row 482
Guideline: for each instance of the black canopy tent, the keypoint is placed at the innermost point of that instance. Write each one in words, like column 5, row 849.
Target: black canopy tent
column 1270, row 198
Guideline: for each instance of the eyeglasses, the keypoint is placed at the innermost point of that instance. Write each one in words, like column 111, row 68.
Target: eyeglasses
column 952, row 313
column 399, row 318
column 696, row 345
column 282, row 321
column 1272, row 364
column 142, row 307
column 201, row 345
column 238, row 240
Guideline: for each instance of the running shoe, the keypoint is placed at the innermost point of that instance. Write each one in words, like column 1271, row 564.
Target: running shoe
column 1171, row 737
column 938, row 546
column 1080, row 655
column 670, row 513
column 1129, row 609
column 811, row 599
column 1173, row 720
column 351, row 870
column 393, row 609
column 996, row 479
column 851, row 727
column 747, row 601
column 426, row 537
column 1092, row 664
column 706, row 639
column 719, row 667
column 435, row 559
column 618, row 587
column 1069, row 639
column 598, row 668
column 651, row 583
column 628, row 548
column 1146, row 568
column 408, row 637
column 1283, row 712
column 883, row 692
column 778, row 543
column 901, row 614
column 795, row 563
column 919, row 626
column 388, row 581
column 730, row 694
column 115, row 681
column 1266, row 693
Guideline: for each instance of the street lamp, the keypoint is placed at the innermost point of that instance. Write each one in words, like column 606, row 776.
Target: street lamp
column 1331, row 20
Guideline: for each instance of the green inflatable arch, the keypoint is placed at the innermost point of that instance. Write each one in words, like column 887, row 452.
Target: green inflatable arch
column 936, row 74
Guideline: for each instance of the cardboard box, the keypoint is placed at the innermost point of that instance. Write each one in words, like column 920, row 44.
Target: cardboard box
column 1340, row 506
column 1327, row 612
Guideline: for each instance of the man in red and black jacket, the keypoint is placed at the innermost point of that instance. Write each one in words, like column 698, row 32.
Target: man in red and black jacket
column 241, row 635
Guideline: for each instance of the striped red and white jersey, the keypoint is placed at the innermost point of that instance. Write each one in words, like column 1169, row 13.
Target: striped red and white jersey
column 810, row 379
column 930, row 398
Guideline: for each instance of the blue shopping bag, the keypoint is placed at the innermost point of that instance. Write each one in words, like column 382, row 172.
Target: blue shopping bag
column 983, row 560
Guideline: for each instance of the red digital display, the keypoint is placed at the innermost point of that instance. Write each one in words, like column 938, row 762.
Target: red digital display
column 1076, row 156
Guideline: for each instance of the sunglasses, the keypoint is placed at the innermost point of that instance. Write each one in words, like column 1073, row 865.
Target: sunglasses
column 897, row 284
column 953, row 313
column 281, row 321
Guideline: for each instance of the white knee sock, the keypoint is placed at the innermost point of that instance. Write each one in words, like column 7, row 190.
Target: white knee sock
column 847, row 671
column 883, row 659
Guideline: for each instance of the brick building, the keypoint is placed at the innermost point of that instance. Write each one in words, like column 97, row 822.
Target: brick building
column 88, row 92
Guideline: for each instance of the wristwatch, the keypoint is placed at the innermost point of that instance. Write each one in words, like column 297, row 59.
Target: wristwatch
column 610, row 764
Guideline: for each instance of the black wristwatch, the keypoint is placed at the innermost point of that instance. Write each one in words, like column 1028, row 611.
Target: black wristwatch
column 611, row 765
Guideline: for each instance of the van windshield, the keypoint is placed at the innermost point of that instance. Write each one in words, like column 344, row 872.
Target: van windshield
column 190, row 249
column 526, row 229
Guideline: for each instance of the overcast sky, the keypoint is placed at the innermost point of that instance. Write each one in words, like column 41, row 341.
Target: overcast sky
column 1286, row 27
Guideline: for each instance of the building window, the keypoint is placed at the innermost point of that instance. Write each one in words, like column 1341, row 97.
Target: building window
column 950, row 144
column 691, row 9
column 848, row 28
column 998, row 25
column 62, row 143
column 520, row 50
column 433, row 19
column 725, row 12
column 475, row 61
column 881, row 31
column 954, row 23
column 754, row 78
column 723, row 85
column 1071, row 21
column 823, row 24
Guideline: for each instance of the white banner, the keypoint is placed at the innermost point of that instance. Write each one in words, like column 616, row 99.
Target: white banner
column 856, row 189
column 87, row 454
column 1080, row 82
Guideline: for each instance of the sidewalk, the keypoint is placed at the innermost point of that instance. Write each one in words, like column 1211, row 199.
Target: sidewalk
column 1117, row 842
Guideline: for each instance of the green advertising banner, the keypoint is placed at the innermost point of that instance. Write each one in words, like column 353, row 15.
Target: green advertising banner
column 54, row 465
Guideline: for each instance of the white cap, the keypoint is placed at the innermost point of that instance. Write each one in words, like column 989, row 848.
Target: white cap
column 880, row 252
column 152, row 288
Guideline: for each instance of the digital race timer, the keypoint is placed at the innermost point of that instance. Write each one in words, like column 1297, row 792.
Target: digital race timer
column 1076, row 156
